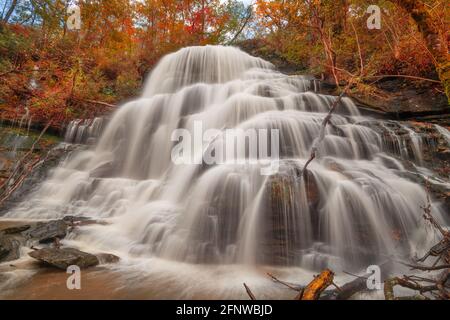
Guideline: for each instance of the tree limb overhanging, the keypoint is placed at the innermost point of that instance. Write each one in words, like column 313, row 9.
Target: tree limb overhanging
column 324, row 124
column 244, row 24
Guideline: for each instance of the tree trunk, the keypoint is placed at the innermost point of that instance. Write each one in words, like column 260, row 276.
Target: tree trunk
column 424, row 22
column 10, row 11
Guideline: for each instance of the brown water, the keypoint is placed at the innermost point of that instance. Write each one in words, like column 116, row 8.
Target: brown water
column 50, row 284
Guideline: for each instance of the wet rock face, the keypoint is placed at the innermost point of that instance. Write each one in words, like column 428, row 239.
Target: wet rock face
column 402, row 99
column 15, row 230
column 9, row 248
column 63, row 258
column 291, row 217
column 15, row 237
column 436, row 157
column 12, row 239
column 45, row 232
column 15, row 144
column 107, row 258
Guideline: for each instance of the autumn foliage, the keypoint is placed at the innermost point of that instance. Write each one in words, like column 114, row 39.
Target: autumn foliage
column 56, row 73
column 326, row 35
column 60, row 74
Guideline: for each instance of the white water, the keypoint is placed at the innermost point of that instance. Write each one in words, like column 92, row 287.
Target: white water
column 84, row 131
column 444, row 132
column 346, row 215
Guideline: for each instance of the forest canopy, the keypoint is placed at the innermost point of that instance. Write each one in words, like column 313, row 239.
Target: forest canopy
column 55, row 72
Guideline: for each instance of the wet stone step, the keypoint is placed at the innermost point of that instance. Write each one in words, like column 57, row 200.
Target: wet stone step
column 63, row 258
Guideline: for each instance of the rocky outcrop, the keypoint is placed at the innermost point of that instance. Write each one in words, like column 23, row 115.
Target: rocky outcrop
column 16, row 230
column 19, row 148
column 45, row 232
column 13, row 238
column 107, row 258
column 9, row 248
column 63, row 258
column 406, row 100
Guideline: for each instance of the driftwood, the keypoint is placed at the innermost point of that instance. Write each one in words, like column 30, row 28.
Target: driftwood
column 315, row 288
column 350, row 288
column 249, row 292
column 290, row 286
column 343, row 292
column 391, row 283
column 428, row 216
column 359, row 284
column 438, row 285
column 426, row 268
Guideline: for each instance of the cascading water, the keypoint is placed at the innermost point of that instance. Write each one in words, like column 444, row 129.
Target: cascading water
column 350, row 210
column 84, row 131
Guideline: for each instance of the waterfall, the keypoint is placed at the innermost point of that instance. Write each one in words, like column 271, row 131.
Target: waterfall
column 84, row 131
column 352, row 208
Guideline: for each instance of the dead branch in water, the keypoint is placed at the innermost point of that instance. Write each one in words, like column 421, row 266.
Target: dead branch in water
column 325, row 122
column 428, row 216
column 391, row 283
column 249, row 292
column 426, row 268
column 315, row 288
column 412, row 283
column 283, row 282
column 436, row 287
column 22, row 170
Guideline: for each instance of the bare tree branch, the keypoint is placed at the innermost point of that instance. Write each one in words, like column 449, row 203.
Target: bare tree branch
column 325, row 121
column 249, row 292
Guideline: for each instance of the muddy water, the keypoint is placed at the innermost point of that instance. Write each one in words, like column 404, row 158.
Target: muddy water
column 50, row 284
column 29, row 279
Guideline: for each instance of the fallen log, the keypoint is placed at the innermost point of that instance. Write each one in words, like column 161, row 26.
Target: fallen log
column 358, row 284
column 315, row 288
column 350, row 288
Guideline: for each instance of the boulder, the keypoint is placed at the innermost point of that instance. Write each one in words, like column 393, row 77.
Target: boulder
column 9, row 248
column 63, row 258
column 46, row 232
